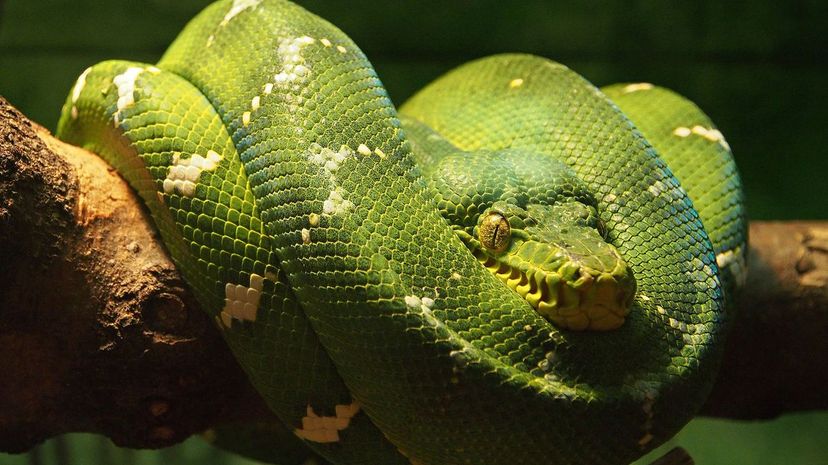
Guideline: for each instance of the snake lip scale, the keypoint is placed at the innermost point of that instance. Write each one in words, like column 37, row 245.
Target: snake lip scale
column 399, row 286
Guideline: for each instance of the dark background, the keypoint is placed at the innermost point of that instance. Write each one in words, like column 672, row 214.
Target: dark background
column 758, row 68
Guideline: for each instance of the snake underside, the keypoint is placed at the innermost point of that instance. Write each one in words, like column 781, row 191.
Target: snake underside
column 309, row 220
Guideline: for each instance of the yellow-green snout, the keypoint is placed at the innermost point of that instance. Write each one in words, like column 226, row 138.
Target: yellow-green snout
column 568, row 273
column 532, row 222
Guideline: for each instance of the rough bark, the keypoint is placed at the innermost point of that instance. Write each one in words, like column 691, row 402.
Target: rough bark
column 776, row 360
column 99, row 333
column 97, row 330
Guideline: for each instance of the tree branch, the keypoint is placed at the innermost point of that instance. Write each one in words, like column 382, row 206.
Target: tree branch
column 776, row 360
column 99, row 332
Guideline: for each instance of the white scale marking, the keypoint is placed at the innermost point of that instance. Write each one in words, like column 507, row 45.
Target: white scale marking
column 293, row 63
column 294, row 71
column 336, row 204
column 364, row 150
column 186, row 172
column 313, row 219
column 637, row 87
column 725, row 258
column 76, row 91
column 423, row 303
column 713, row 135
column 330, row 161
column 325, row 429
column 649, row 412
column 734, row 262
column 125, row 83
column 327, row 158
column 241, row 302
column 237, row 7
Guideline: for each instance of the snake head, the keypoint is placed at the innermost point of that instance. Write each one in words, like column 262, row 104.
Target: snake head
column 532, row 223
column 555, row 257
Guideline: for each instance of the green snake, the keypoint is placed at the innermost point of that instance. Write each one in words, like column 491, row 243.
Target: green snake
column 412, row 289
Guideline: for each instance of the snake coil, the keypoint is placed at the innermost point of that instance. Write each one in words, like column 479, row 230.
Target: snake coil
column 287, row 191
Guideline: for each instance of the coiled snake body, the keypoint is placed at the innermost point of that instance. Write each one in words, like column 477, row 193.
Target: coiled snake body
column 293, row 201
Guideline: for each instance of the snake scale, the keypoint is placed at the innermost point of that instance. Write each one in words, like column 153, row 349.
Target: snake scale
column 506, row 273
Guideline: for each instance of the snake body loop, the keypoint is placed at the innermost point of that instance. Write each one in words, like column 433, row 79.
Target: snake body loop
column 292, row 198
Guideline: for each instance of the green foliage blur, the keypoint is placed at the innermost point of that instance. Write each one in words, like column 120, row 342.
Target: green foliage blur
column 791, row 440
column 759, row 68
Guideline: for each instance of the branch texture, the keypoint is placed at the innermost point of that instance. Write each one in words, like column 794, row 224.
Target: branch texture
column 99, row 332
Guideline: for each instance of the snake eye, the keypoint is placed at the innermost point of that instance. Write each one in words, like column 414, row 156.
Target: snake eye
column 494, row 232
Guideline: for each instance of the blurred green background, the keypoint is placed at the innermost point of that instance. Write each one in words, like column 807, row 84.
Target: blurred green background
column 791, row 440
column 758, row 68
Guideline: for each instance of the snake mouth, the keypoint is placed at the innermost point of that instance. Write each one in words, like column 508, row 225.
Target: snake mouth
column 574, row 296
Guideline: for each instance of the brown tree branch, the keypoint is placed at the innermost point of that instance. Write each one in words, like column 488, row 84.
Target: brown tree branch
column 99, row 333
column 97, row 330
column 776, row 360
